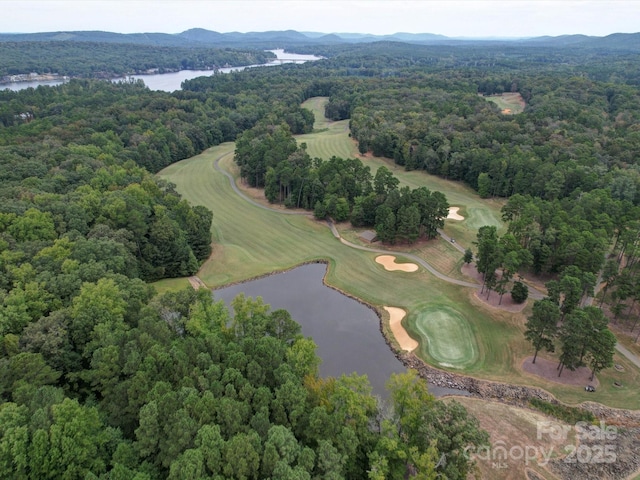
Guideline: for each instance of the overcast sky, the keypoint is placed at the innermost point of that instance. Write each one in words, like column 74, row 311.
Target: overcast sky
column 454, row 18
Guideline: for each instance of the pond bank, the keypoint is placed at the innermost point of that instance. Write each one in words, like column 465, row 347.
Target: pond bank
column 518, row 395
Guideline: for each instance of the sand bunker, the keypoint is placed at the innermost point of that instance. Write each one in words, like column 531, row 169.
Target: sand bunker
column 453, row 214
column 389, row 263
column 402, row 337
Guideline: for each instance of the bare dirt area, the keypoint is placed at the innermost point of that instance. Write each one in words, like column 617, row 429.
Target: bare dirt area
column 548, row 370
column 389, row 263
column 512, row 431
column 525, row 444
column 395, row 323
column 493, row 299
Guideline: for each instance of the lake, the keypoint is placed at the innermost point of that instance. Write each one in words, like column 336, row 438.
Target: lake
column 346, row 331
column 23, row 85
column 169, row 82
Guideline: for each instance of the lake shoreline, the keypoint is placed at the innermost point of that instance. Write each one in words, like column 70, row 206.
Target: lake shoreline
column 169, row 80
column 450, row 384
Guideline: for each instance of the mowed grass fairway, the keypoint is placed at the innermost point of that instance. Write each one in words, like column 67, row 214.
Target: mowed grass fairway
column 328, row 138
column 446, row 335
column 332, row 139
column 250, row 241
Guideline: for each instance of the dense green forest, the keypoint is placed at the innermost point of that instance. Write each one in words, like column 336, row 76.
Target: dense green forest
column 101, row 378
column 341, row 189
column 108, row 60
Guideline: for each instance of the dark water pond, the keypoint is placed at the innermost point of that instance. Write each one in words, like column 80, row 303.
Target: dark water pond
column 347, row 332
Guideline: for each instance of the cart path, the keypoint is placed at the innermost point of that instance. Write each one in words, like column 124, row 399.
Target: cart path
column 624, row 351
column 633, row 358
column 196, row 282
column 410, row 256
column 533, row 293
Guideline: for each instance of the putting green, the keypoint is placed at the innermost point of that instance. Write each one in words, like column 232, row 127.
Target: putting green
column 446, row 336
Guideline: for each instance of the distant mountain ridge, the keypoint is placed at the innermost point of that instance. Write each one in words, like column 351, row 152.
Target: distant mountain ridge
column 200, row 37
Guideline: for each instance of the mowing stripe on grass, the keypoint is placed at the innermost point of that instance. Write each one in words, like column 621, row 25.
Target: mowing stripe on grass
column 481, row 216
column 446, row 335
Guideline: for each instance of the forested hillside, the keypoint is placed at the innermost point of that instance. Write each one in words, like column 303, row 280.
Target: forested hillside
column 108, row 60
column 170, row 386
column 101, row 378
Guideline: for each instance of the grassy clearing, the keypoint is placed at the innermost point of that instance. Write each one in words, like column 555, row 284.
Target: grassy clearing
column 509, row 103
column 250, row 242
column 445, row 335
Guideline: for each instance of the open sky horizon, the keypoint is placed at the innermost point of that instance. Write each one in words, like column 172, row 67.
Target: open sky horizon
column 452, row 18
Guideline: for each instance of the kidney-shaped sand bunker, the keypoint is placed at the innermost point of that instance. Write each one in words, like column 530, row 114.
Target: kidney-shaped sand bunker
column 389, row 263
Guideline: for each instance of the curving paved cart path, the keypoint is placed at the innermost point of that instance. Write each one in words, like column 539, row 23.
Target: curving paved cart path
column 235, row 188
column 533, row 293
column 410, row 256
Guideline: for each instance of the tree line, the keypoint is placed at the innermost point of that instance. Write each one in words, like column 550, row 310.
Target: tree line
column 341, row 189
column 122, row 385
column 108, row 60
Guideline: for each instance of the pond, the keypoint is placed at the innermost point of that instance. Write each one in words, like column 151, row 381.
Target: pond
column 346, row 331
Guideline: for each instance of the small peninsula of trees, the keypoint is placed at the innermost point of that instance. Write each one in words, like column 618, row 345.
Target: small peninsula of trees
column 342, row 189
